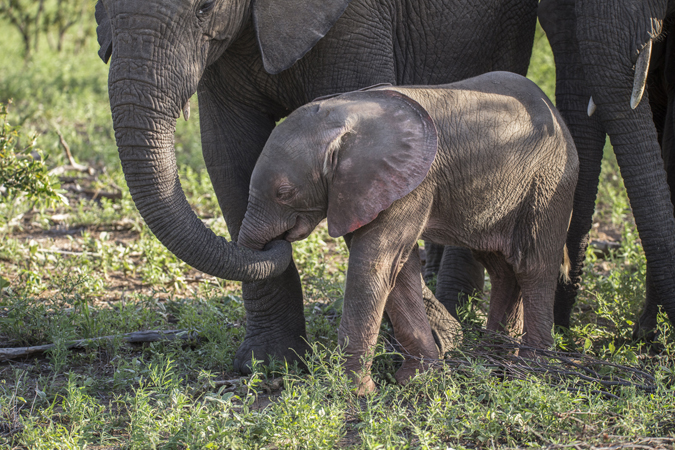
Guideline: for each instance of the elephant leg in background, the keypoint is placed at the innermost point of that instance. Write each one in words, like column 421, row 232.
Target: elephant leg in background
column 558, row 19
column 661, row 106
column 434, row 254
column 590, row 139
column 604, row 48
column 445, row 328
column 666, row 131
column 408, row 317
column 460, row 275
column 650, row 208
column 275, row 322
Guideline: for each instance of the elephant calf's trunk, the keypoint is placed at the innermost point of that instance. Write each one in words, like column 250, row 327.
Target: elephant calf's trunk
column 249, row 239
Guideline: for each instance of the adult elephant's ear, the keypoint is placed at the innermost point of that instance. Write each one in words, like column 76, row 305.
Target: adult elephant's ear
column 104, row 32
column 287, row 29
column 383, row 152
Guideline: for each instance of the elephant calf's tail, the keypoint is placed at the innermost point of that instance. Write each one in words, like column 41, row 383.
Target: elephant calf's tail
column 565, row 266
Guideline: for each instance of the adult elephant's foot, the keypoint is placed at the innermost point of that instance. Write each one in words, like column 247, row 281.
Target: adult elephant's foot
column 446, row 330
column 565, row 296
column 459, row 276
column 275, row 322
column 645, row 328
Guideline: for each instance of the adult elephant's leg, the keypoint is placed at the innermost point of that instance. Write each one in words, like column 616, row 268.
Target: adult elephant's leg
column 638, row 154
column 233, row 136
column 589, row 139
column 573, row 100
column 460, row 275
column 666, row 131
column 611, row 75
column 661, row 107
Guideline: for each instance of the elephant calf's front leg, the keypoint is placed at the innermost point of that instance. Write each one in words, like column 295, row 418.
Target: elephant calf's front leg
column 369, row 282
column 378, row 252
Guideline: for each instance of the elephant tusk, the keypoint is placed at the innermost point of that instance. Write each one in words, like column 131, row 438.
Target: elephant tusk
column 591, row 107
column 641, row 70
column 186, row 111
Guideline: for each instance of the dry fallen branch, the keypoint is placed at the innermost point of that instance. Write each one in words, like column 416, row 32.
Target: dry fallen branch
column 620, row 442
column 131, row 338
column 56, row 171
column 95, row 193
column 73, row 164
column 571, row 371
column 68, row 252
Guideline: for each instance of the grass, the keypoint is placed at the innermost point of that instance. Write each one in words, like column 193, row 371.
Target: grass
column 93, row 269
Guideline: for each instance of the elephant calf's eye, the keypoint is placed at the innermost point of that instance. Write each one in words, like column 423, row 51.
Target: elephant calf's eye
column 206, row 7
column 285, row 193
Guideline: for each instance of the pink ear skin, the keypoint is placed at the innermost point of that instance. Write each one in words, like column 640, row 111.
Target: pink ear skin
column 391, row 146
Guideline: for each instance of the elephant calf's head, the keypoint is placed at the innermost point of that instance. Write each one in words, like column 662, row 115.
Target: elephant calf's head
column 347, row 158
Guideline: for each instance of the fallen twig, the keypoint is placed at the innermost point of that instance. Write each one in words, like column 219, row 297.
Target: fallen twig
column 135, row 338
column 73, row 164
column 56, row 171
column 94, row 193
column 571, row 371
column 67, row 252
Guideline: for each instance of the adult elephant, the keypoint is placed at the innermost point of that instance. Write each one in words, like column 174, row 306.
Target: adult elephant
column 603, row 53
column 251, row 64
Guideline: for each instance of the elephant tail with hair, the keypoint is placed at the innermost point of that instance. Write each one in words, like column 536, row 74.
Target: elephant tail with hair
column 565, row 266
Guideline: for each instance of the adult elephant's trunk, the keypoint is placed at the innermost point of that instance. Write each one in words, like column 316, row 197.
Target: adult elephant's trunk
column 145, row 134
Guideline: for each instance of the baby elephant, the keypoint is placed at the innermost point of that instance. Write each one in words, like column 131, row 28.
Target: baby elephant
column 486, row 163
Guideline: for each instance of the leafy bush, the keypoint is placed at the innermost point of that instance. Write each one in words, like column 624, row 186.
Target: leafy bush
column 23, row 172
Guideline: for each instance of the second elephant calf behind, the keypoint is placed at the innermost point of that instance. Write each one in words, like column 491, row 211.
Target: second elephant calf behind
column 486, row 163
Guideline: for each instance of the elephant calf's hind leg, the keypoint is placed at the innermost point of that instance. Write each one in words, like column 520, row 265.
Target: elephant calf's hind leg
column 406, row 311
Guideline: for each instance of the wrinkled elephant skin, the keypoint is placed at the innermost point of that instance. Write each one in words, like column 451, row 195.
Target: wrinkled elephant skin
column 606, row 52
column 390, row 165
column 251, row 64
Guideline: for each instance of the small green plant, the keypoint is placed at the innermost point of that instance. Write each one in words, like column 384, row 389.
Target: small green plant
column 23, row 173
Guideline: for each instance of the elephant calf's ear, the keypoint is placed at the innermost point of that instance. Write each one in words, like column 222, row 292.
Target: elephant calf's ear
column 104, row 32
column 389, row 152
column 287, row 29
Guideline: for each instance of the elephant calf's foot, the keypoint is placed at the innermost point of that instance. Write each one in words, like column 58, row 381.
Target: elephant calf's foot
column 446, row 330
column 290, row 350
column 364, row 384
column 410, row 368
